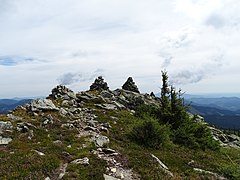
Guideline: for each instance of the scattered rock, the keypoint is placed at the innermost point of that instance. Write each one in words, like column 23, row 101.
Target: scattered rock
column 92, row 123
column 99, row 84
column 215, row 175
column 191, row 163
column 130, row 85
column 114, row 170
column 86, row 97
column 5, row 125
column 100, row 140
column 107, row 177
column 42, row 105
column 30, row 135
column 14, row 118
column 233, row 137
column 62, row 170
column 63, row 112
column 224, row 139
column 115, row 119
column 107, row 106
column 90, row 128
column 39, row 153
column 108, row 151
column 107, row 94
column 163, row 166
column 83, row 161
column 47, row 121
column 5, row 140
column 24, row 127
column 58, row 142
column 118, row 105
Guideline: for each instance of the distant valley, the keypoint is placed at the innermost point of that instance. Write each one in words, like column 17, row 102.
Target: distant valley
column 223, row 112
column 9, row 104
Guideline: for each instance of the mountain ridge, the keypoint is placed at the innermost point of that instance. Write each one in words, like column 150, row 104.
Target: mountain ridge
column 84, row 135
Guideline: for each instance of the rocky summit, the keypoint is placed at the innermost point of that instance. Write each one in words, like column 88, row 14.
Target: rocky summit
column 85, row 135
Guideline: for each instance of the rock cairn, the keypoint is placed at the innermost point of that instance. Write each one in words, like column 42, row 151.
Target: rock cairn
column 130, row 85
column 62, row 91
column 99, row 84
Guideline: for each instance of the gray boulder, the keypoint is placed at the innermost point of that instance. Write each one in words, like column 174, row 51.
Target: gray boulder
column 83, row 161
column 42, row 105
column 100, row 140
column 107, row 177
column 5, row 125
column 5, row 140
column 14, row 118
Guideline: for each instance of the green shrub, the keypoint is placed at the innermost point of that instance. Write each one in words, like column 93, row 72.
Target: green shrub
column 195, row 135
column 146, row 110
column 150, row 133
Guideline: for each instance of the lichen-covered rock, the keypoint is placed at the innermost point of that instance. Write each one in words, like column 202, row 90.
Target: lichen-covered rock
column 99, row 84
column 83, row 161
column 100, row 140
column 224, row 139
column 130, row 85
column 42, row 105
column 107, row 177
column 5, row 140
column 5, row 125
column 14, row 118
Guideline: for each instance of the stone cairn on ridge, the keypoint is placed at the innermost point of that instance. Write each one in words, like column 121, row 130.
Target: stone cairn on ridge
column 99, row 84
column 130, row 85
column 62, row 91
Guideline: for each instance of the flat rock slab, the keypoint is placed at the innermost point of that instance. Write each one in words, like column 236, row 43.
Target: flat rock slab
column 43, row 104
column 107, row 177
column 5, row 141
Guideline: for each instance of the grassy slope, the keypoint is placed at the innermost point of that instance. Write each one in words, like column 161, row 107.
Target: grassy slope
column 19, row 161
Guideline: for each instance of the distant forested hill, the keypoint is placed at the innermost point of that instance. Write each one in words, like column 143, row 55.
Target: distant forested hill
column 222, row 112
column 9, row 104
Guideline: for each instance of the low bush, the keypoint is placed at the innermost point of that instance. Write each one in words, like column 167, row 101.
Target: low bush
column 195, row 135
column 146, row 110
column 149, row 133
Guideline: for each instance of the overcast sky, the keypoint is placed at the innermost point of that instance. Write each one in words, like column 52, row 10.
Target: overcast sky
column 48, row 42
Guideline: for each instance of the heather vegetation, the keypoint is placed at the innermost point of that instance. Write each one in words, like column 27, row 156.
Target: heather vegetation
column 101, row 134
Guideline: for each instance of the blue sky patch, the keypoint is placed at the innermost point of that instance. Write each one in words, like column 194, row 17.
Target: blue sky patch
column 13, row 60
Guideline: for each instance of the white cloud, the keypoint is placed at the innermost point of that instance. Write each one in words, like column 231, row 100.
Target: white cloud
column 70, row 39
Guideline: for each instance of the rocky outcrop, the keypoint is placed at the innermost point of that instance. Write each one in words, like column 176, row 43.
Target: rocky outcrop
column 99, row 84
column 78, row 127
column 83, row 161
column 42, row 105
column 5, row 126
column 14, row 118
column 115, row 168
column 5, row 140
column 100, row 140
column 225, row 139
column 130, row 85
